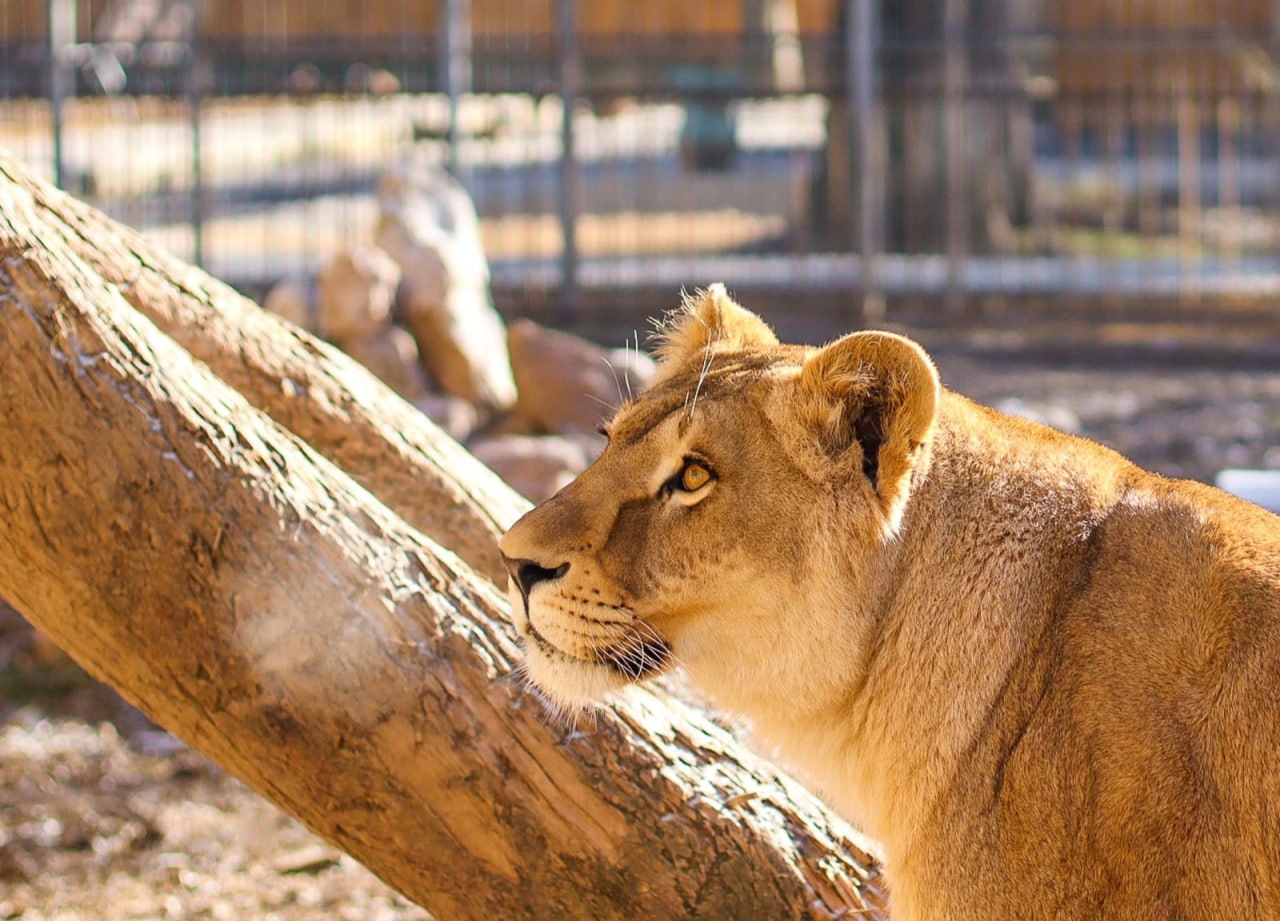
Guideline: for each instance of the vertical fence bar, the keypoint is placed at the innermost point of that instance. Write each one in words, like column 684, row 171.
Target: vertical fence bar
column 62, row 76
column 1187, row 114
column 570, row 87
column 198, row 71
column 1228, row 126
column 863, row 37
column 456, row 70
column 1267, row 117
column 1266, row 121
column 955, row 15
column 757, row 41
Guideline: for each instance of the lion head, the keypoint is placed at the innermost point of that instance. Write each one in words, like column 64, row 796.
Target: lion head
column 737, row 522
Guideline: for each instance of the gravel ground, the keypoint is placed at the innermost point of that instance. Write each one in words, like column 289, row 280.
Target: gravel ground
column 1176, row 414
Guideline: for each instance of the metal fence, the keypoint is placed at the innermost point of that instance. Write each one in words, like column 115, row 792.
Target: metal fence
column 960, row 149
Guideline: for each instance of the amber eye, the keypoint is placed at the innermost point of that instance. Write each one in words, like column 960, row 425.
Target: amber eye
column 694, row 476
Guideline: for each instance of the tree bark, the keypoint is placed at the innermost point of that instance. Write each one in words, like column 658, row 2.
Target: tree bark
column 245, row 593
column 309, row 387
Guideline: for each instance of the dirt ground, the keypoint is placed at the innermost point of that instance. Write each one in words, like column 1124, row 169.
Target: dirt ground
column 102, row 816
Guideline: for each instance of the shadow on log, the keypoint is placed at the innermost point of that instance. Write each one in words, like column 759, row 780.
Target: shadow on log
column 247, row 594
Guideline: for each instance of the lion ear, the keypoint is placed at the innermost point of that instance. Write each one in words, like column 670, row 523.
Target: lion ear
column 708, row 319
column 872, row 399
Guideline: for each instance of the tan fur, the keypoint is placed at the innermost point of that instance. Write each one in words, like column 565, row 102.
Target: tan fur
column 1048, row 681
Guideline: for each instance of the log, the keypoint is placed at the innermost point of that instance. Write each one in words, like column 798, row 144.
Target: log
column 248, row 595
column 306, row 385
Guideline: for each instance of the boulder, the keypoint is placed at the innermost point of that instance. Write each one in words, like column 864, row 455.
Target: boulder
column 454, row 415
column 354, row 293
column 392, row 355
column 457, row 343
column 535, row 466
column 568, row 385
column 428, row 224
column 294, row 299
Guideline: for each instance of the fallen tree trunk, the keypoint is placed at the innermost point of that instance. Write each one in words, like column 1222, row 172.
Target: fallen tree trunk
column 309, row 387
column 246, row 594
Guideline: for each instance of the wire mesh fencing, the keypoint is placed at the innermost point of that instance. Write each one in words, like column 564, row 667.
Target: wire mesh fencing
column 946, row 149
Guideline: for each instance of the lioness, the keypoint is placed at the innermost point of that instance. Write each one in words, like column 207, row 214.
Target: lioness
column 1047, row 680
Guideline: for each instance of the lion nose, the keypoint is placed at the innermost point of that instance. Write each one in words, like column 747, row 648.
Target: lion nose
column 527, row 573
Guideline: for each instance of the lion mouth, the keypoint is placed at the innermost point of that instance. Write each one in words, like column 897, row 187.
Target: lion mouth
column 636, row 658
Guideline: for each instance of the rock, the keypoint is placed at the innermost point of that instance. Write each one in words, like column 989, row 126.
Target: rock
column 311, row 859
column 354, row 293
column 295, row 300
column 16, row 865
column 427, row 198
column 361, row 78
column 453, row 414
column 534, row 466
column 568, row 385
column 392, row 355
column 463, row 346
column 509, row 423
column 428, row 224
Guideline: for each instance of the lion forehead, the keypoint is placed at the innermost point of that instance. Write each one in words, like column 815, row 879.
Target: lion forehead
column 728, row 380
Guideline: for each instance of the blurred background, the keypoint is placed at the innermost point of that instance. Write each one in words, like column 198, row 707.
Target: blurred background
column 857, row 152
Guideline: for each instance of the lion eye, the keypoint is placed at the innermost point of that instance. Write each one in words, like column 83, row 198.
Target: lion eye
column 694, row 476
column 688, row 484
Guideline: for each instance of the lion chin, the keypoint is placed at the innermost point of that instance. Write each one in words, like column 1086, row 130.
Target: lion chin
column 573, row 682
column 570, row 685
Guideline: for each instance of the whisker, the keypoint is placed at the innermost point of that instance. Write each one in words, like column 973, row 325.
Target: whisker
column 641, row 653
column 616, row 383
column 633, row 359
column 563, row 716
column 643, row 626
column 708, row 358
column 605, row 403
